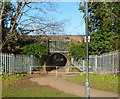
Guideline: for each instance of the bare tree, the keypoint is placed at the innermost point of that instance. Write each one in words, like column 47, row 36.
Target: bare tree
column 26, row 18
column 1, row 13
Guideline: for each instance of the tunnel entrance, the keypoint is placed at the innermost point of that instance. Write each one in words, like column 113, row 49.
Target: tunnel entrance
column 56, row 59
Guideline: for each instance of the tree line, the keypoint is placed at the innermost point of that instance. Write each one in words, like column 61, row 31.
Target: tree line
column 104, row 28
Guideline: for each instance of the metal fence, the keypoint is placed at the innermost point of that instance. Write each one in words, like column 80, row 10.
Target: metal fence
column 105, row 63
column 11, row 63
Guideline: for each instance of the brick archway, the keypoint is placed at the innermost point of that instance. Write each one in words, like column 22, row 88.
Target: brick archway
column 50, row 62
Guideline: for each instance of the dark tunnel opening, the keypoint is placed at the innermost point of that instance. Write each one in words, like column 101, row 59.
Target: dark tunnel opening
column 54, row 60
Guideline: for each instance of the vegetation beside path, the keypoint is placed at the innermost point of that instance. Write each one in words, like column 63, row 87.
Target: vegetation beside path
column 99, row 81
column 20, row 86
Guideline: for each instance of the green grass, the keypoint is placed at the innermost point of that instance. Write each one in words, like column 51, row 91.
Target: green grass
column 99, row 81
column 35, row 92
column 20, row 86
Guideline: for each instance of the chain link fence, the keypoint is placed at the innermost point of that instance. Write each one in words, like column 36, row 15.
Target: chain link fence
column 107, row 63
column 11, row 63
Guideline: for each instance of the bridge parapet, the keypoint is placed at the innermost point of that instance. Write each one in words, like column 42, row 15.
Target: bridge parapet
column 58, row 45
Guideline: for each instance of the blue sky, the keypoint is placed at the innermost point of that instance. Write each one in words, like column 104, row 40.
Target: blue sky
column 69, row 11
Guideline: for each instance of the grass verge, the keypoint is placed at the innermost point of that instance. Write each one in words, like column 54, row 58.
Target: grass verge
column 99, row 81
column 21, row 86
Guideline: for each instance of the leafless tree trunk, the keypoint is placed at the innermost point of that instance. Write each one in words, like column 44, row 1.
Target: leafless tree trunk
column 2, row 9
column 31, row 23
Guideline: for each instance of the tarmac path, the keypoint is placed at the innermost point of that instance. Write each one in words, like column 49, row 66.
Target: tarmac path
column 62, row 84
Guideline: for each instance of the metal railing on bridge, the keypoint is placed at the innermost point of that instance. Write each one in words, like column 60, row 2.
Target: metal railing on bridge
column 58, row 45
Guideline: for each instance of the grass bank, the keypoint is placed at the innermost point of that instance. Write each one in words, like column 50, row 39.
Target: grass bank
column 99, row 81
column 21, row 86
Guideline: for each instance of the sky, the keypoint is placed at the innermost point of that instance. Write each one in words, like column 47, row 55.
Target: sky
column 74, row 24
column 68, row 13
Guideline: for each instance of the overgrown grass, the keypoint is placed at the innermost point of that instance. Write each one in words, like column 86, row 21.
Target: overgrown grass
column 20, row 86
column 99, row 81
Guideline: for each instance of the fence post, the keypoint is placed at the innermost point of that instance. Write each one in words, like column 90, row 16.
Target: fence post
column 56, row 72
column 5, row 63
column 72, row 60
column 12, row 63
column 30, row 69
column 0, row 63
column 113, row 55
column 31, row 61
column 83, row 65
column 95, row 63
column 9, row 63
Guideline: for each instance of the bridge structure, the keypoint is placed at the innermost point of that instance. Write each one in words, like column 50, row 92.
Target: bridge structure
column 58, row 51
column 58, row 46
column 60, row 43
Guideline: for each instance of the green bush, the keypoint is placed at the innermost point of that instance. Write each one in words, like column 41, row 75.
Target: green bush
column 38, row 49
column 77, row 50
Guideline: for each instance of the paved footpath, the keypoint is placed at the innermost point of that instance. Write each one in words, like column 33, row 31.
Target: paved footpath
column 72, row 88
